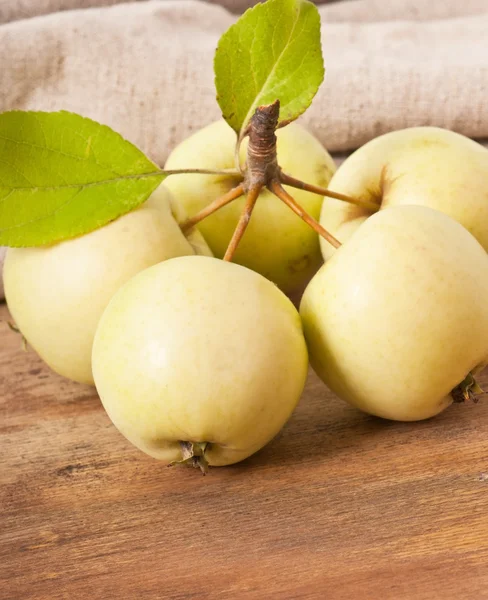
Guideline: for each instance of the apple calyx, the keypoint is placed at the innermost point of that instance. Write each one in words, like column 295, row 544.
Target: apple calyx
column 467, row 390
column 193, row 456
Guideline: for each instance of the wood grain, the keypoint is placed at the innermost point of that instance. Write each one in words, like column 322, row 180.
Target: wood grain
column 339, row 506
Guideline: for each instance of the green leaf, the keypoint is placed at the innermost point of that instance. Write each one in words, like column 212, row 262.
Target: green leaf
column 62, row 175
column 273, row 52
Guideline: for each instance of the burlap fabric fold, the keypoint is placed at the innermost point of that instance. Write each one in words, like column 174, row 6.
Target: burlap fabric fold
column 145, row 68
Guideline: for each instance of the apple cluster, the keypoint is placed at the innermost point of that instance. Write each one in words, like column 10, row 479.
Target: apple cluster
column 203, row 361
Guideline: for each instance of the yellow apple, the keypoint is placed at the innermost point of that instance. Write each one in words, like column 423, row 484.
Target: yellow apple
column 398, row 317
column 201, row 351
column 422, row 165
column 3, row 250
column 56, row 294
column 277, row 243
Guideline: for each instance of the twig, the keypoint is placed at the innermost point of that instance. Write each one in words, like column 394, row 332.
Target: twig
column 315, row 189
column 277, row 189
column 252, row 196
column 213, row 207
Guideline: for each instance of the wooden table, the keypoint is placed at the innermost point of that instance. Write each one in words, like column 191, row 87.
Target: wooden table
column 340, row 506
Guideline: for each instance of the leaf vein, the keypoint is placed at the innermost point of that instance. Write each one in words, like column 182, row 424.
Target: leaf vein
column 60, row 152
column 34, row 188
column 272, row 72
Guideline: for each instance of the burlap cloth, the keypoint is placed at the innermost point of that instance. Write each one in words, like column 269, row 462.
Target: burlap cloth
column 145, row 68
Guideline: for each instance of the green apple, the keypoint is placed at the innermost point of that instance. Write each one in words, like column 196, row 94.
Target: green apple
column 422, row 165
column 199, row 351
column 56, row 294
column 398, row 317
column 277, row 243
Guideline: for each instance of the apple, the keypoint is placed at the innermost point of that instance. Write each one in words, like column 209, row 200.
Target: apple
column 199, row 352
column 277, row 243
column 56, row 294
column 427, row 166
column 398, row 317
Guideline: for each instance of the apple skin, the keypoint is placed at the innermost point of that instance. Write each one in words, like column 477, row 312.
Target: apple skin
column 426, row 166
column 3, row 251
column 277, row 243
column 398, row 317
column 197, row 349
column 56, row 294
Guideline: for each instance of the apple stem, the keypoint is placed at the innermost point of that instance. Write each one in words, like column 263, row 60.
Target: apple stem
column 315, row 189
column 244, row 219
column 231, row 195
column 467, row 390
column 263, row 171
column 282, row 194
column 237, row 151
column 262, row 162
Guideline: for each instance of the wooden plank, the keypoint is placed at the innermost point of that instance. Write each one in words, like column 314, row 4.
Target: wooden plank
column 340, row 505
